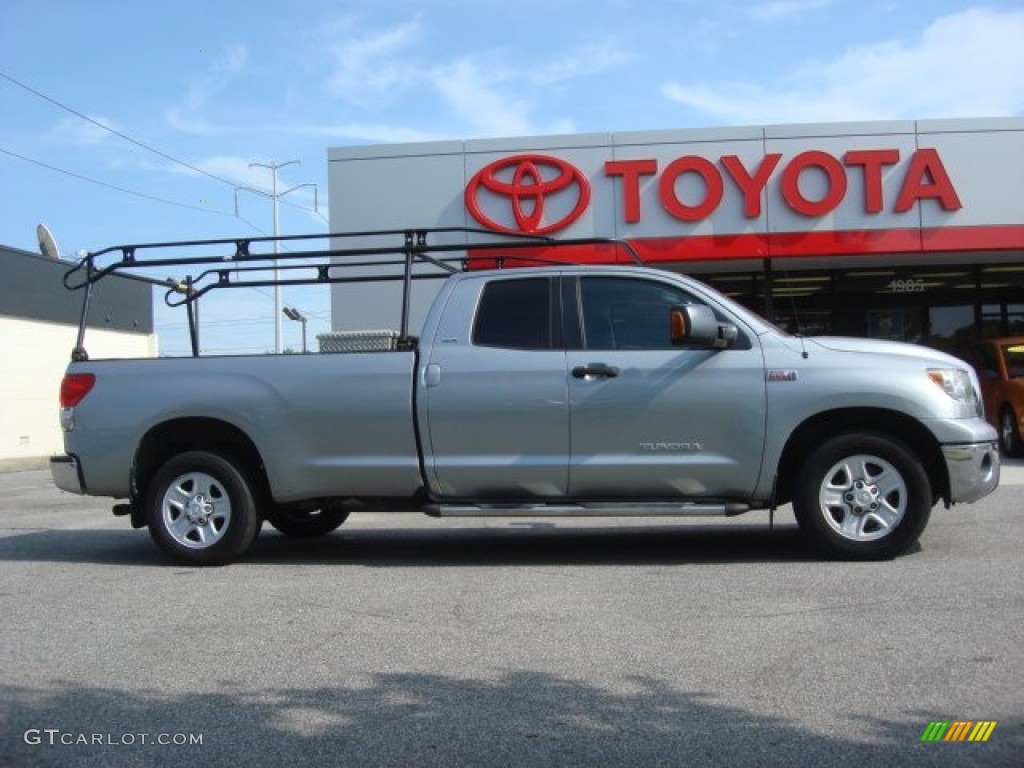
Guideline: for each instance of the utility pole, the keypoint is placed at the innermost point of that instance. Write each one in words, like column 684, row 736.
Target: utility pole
column 274, row 196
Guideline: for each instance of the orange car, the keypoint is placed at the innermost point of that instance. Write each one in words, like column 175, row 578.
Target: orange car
column 1000, row 367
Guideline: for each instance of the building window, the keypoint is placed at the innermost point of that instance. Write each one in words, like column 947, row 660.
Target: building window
column 944, row 306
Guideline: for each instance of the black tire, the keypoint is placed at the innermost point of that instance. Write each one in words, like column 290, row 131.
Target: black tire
column 862, row 496
column 1009, row 434
column 307, row 522
column 201, row 509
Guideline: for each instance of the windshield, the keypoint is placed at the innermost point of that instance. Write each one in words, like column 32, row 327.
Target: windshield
column 1014, row 356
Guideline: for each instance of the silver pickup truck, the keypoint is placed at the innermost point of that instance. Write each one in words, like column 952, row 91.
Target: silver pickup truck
column 553, row 390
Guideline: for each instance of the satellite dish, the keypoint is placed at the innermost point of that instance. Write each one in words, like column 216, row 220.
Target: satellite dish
column 47, row 242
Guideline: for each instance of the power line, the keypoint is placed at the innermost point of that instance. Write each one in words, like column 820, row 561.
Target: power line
column 230, row 323
column 135, row 193
column 224, row 322
column 81, row 177
column 134, row 141
column 157, row 152
column 186, row 352
column 107, row 128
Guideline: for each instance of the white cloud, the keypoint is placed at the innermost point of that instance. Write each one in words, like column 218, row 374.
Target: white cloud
column 235, row 168
column 487, row 92
column 965, row 64
column 376, row 133
column 81, row 132
column 228, row 64
column 745, row 103
column 497, row 100
column 231, row 168
column 476, row 99
column 366, row 68
column 786, row 10
column 579, row 62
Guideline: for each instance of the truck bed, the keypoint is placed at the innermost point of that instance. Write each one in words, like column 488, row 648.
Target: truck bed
column 325, row 424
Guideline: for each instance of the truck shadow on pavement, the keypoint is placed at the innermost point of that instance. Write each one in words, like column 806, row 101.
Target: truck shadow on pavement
column 539, row 544
column 519, row 544
column 520, row 718
column 104, row 547
column 515, row 544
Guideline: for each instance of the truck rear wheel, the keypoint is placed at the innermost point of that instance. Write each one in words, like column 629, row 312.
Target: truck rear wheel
column 863, row 497
column 201, row 509
column 307, row 522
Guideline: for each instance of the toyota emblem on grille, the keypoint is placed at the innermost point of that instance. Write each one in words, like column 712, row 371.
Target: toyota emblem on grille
column 545, row 194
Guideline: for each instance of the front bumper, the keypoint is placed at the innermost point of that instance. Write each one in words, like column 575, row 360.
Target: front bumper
column 973, row 470
column 66, row 474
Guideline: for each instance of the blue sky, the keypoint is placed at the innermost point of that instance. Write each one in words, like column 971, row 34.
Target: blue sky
column 214, row 86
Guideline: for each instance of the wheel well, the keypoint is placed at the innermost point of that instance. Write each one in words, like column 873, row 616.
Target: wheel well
column 824, row 426
column 195, row 434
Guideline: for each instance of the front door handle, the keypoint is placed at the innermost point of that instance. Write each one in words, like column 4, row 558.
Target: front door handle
column 595, row 371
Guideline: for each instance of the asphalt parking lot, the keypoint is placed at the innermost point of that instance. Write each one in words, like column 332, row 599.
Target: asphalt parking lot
column 405, row 641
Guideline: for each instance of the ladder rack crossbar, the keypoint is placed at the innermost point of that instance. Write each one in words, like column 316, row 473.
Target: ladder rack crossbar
column 234, row 264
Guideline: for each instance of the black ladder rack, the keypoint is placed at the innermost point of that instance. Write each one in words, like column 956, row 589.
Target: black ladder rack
column 241, row 263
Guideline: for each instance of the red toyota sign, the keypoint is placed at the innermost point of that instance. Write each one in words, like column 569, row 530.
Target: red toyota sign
column 529, row 184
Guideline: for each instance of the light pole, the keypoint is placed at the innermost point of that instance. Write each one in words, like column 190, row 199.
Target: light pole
column 275, row 195
column 294, row 314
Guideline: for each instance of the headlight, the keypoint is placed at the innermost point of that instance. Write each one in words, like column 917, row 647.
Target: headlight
column 956, row 383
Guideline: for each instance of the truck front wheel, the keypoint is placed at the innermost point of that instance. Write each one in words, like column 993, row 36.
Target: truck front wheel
column 201, row 509
column 862, row 496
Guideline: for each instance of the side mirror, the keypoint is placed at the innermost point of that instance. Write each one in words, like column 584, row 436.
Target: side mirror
column 695, row 325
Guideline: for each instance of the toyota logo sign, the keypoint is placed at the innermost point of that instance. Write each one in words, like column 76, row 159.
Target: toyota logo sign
column 543, row 194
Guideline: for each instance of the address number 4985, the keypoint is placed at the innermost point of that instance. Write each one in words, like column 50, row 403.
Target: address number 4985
column 907, row 286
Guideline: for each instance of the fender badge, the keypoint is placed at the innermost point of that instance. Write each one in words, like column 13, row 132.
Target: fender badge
column 782, row 375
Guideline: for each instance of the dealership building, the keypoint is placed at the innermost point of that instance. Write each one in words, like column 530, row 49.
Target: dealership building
column 905, row 230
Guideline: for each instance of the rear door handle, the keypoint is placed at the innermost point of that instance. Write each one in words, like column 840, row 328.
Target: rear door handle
column 595, row 370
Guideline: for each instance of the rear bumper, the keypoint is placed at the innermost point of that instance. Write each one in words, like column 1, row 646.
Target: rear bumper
column 973, row 470
column 66, row 474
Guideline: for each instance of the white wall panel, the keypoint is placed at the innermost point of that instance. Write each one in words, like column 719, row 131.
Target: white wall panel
column 35, row 355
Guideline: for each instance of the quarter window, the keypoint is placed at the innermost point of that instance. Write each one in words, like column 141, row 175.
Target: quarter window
column 515, row 314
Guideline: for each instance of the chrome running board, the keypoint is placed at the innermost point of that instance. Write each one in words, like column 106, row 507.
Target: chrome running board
column 590, row 509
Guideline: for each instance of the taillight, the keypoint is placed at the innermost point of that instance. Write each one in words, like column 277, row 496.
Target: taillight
column 74, row 387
